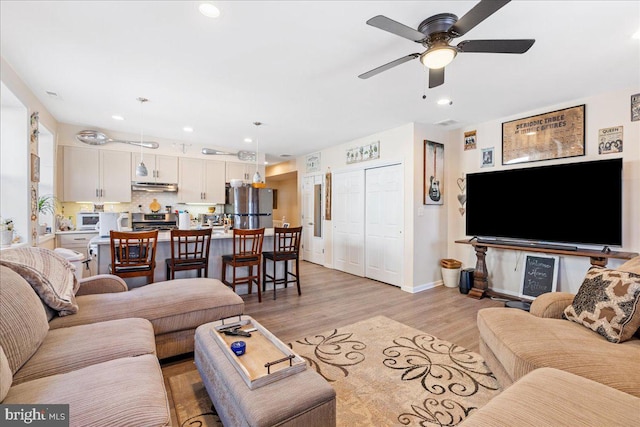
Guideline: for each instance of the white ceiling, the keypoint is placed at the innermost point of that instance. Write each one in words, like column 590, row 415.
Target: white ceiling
column 293, row 65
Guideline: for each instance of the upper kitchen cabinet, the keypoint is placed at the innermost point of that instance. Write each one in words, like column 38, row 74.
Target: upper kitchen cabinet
column 201, row 181
column 162, row 169
column 243, row 171
column 95, row 175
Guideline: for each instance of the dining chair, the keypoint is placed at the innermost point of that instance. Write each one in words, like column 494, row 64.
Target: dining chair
column 189, row 251
column 247, row 251
column 133, row 253
column 286, row 247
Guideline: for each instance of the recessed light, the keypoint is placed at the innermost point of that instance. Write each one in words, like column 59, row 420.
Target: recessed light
column 209, row 10
column 266, row 163
column 445, row 101
column 187, row 129
column 117, row 117
column 636, row 35
column 248, row 140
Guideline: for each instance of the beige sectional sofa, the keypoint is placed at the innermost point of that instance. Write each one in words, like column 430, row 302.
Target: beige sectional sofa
column 101, row 360
column 563, row 372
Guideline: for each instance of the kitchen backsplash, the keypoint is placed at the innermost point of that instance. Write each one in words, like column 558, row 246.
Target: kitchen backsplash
column 70, row 209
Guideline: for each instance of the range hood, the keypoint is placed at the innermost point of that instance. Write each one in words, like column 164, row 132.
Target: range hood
column 154, row 187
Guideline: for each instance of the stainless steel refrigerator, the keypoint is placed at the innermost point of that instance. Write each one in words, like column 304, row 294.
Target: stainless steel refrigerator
column 252, row 207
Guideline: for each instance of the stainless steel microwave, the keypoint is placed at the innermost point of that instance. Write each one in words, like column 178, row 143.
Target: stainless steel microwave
column 87, row 220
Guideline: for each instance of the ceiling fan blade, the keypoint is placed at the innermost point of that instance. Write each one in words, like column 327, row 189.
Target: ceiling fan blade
column 396, row 28
column 389, row 65
column 436, row 77
column 476, row 15
column 496, row 46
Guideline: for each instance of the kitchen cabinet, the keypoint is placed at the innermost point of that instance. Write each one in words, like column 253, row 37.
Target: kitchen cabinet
column 243, row 171
column 95, row 175
column 162, row 169
column 201, row 181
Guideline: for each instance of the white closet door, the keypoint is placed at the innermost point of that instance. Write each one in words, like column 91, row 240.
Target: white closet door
column 348, row 222
column 384, row 219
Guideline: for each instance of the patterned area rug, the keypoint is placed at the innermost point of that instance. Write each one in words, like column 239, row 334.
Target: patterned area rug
column 384, row 373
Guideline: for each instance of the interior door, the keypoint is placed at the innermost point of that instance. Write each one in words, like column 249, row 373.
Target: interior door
column 384, row 219
column 312, row 239
column 348, row 222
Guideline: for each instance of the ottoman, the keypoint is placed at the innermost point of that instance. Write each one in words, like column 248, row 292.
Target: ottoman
column 302, row 399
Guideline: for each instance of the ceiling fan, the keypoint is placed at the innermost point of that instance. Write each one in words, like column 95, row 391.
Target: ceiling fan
column 436, row 32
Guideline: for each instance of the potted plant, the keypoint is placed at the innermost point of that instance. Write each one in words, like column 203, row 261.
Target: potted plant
column 46, row 206
column 6, row 232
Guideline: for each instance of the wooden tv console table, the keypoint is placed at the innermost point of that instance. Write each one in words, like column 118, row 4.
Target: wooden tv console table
column 481, row 285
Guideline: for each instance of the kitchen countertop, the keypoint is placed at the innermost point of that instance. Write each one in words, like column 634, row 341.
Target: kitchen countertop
column 76, row 231
column 165, row 236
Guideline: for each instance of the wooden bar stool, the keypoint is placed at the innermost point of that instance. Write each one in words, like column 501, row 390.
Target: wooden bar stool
column 133, row 253
column 189, row 251
column 286, row 245
column 247, row 249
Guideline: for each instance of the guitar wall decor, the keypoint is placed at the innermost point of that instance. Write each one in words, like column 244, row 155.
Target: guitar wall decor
column 434, row 184
column 433, row 188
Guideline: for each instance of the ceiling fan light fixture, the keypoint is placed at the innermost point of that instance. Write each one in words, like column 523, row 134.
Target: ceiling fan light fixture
column 438, row 57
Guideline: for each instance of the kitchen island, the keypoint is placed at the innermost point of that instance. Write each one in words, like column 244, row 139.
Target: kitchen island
column 221, row 244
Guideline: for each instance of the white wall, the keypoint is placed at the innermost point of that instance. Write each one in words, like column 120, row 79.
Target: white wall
column 425, row 226
column 505, row 267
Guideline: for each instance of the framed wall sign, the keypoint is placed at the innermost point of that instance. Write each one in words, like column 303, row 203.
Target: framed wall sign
column 610, row 140
column 433, row 173
column 470, row 140
column 539, row 275
column 313, row 162
column 553, row 135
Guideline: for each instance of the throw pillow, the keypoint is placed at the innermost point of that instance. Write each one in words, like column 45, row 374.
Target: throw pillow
column 607, row 302
column 48, row 273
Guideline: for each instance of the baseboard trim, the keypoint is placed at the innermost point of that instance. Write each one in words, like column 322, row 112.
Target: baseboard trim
column 423, row 287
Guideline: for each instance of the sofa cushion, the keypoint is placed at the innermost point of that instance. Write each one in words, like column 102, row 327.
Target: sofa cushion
column 549, row 397
column 23, row 322
column 50, row 275
column 123, row 392
column 632, row 266
column 68, row 349
column 607, row 302
column 6, row 377
column 523, row 342
column 171, row 306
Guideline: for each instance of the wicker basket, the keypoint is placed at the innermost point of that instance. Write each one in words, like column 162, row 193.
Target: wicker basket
column 450, row 263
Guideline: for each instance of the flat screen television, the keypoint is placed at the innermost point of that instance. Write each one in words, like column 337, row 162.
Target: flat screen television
column 566, row 203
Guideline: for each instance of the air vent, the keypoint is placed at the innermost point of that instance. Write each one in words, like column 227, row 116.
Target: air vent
column 447, row 122
column 285, row 155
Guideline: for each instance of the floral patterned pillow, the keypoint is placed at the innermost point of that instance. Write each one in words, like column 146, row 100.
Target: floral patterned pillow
column 607, row 303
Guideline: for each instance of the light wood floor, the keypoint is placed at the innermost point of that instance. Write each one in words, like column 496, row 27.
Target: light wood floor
column 331, row 299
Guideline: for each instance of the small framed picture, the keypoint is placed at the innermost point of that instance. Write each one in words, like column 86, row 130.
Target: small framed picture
column 539, row 275
column 635, row 107
column 470, row 140
column 487, row 157
column 35, row 168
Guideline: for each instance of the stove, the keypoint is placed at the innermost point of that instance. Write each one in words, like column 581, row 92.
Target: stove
column 154, row 221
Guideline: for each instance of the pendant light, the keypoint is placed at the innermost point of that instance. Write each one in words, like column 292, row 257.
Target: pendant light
column 256, row 177
column 141, row 169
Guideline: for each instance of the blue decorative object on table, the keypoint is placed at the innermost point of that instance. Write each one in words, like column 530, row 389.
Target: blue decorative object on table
column 238, row 347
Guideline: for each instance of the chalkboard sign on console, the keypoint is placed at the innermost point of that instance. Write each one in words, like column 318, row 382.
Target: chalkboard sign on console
column 539, row 276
